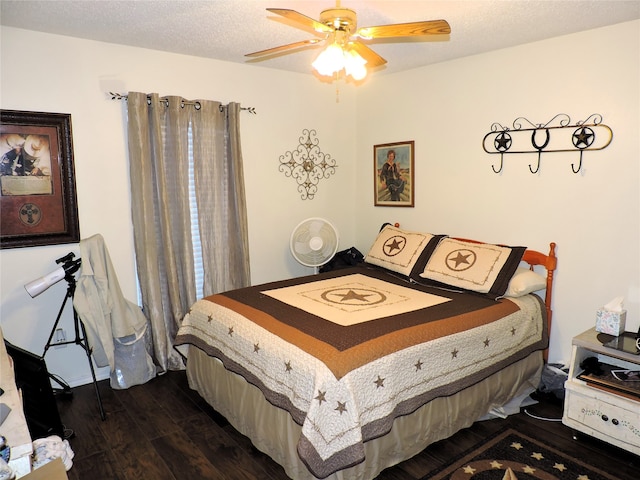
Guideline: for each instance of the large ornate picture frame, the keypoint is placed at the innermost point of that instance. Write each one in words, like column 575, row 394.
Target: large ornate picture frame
column 393, row 179
column 37, row 180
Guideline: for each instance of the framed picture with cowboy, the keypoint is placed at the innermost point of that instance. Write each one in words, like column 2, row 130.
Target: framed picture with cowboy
column 393, row 174
column 37, row 180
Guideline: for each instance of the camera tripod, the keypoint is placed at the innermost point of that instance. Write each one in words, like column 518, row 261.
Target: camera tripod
column 80, row 334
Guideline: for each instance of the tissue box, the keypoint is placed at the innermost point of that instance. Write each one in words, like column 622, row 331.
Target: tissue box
column 610, row 322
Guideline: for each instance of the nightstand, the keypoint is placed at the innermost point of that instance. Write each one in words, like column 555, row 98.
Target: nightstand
column 595, row 405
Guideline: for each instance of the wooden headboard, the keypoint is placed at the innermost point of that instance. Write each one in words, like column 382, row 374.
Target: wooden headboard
column 549, row 262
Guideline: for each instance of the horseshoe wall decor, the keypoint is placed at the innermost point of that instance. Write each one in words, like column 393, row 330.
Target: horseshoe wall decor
column 557, row 135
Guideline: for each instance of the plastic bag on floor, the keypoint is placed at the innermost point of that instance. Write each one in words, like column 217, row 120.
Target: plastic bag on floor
column 553, row 378
column 6, row 473
column 133, row 364
column 47, row 449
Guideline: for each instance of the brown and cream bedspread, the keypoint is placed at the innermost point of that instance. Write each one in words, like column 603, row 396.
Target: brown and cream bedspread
column 347, row 352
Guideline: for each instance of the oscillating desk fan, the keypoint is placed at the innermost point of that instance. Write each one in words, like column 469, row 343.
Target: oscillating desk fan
column 314, row 242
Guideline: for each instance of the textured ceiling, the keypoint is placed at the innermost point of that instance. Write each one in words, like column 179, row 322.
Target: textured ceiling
column 228, row 29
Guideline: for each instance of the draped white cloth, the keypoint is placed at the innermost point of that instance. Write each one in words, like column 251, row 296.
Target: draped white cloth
column 159, row 131
column 100, row 304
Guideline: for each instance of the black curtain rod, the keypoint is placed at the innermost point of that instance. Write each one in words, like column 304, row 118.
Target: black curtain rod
column 119, row 96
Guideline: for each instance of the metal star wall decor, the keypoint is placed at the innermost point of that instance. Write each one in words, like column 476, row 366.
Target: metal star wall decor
column 307, row 164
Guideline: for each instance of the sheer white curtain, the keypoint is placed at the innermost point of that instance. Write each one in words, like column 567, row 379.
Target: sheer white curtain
column 165, row 135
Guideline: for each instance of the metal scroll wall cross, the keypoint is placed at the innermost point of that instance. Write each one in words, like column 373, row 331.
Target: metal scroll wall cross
column 307, row 164
column 557, row 135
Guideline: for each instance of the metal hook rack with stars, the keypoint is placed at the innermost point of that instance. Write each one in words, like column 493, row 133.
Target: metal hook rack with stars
column 557, row 135
column 307, row 164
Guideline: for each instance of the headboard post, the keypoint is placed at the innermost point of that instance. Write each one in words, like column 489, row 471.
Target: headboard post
column 550, row 265
column 549, row 262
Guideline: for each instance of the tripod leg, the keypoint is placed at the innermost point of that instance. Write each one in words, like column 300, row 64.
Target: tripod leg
column 81, row 339
column 55, row 325
column 83, row 342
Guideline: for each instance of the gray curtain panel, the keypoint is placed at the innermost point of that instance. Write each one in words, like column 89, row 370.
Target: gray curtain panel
column 159, row 162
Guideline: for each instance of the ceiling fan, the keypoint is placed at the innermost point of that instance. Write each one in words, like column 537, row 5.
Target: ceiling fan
column 346, row 50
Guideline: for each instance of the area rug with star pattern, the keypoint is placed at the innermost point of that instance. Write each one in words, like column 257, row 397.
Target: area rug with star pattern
column 511, row 455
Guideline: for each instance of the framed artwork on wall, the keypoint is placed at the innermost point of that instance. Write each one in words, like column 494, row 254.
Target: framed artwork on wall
column 393, row 165
column 37, row 180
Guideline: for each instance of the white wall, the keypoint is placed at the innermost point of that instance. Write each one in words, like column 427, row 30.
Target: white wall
column 73, row 76
column 593, row 216
column 447, row 109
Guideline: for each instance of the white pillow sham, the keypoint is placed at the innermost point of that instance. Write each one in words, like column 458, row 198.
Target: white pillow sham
column 479, row 267
column 400, row 250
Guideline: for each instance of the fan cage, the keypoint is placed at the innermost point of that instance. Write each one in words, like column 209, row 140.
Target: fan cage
column 314, row 242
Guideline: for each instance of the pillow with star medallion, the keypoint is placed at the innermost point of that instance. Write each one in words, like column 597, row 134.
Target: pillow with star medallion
column 479, row 267
column 402, row 251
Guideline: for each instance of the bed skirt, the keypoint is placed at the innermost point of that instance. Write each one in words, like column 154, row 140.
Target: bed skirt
column 273, row 431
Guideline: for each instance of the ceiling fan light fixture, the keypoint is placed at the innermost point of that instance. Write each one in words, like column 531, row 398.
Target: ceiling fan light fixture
column 354, row 65
column 335, row 58
column 346, row 54
column 330, row 60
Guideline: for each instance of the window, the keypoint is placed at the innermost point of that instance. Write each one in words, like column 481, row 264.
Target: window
column 195, row 230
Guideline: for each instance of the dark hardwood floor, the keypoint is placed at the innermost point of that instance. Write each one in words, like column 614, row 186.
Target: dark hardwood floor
column 164, row 430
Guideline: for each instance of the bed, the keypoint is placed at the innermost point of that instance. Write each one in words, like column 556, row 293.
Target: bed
column 342, row 374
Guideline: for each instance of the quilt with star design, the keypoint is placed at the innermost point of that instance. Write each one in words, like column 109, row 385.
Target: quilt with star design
column 347, row 352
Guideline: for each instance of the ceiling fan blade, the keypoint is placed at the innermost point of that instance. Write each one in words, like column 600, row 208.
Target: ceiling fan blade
column 283, row 48
column 431, row 27
column 302, row 19
column 372, row 58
